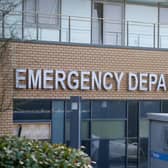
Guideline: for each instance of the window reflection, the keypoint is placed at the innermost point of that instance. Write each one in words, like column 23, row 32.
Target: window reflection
column 108, row 153
column 108, row 129
column 107, row 22
column 108, row 109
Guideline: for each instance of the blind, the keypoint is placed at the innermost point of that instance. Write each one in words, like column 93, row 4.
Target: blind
column 43, row 12
column 29, row 11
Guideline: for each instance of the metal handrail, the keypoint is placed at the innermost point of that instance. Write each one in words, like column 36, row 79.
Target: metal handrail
column 73, row 26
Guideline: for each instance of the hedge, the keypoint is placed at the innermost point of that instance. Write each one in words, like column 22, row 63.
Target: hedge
column 23, row 153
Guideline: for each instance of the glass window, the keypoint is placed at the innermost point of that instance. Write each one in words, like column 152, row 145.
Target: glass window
column 143, row 158
column 13, row 19
column 57, row 121
column 141, row 26
column 67, row 109
column 108, row 109
column 86, row 145
column 149, row 107
column 31, row 110
column 165, row 106
column 47, row 20
column 85, row 109
column 108, row 153
column 108, row 129
column 32, row 105
column 133, row 119
column 47, row 12
column 67, row 130
column 76, row 28
column 59, row 106
column 132, row 152
column 85, row 127
column 107, row 22
column 29, row 9
column 163, row 43
column 144, row 128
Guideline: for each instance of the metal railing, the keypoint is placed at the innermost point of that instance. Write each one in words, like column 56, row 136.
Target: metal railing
column 72, row 29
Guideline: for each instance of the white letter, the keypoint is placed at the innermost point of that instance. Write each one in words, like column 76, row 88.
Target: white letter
column 60, row 78
column 132, row 78
column 34, row 80
column 161, row 83
column 109, row 86
column 84, row 80
column 152, row 80
column 73, row 83
column 96, row 80
column 47, row 78
column 19, row 78
column 143, row 81
column 118, row 78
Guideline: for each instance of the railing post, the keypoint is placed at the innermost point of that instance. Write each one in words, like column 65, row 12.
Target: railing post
column 154, row 33
column 37, row 26
column 139, row 38
column 127, row 33
column 158, row 36
column 69, row 28
column 91, row 31
column 22, row 25
column 117, row 38
column 60, row 28
column 3, row 25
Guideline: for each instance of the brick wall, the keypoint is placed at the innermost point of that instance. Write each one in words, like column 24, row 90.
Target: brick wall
column 62, row 57
column 6, row 88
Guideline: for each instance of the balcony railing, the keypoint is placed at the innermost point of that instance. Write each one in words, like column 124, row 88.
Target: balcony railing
column 72, row 29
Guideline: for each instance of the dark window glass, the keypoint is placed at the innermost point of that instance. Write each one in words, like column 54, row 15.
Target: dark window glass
column 85, row 130
column 68, row 105
column 132, row 118
column 67, row 130
column 31, row 110
column 31, row 105
column 31, row 116
column 165, row 106
column 108, row 109
column 108, row 153
column 149, row 107
column 143, row 153
column 86, row 145
column 132, row 152
column 85, row 109
column 67, row 109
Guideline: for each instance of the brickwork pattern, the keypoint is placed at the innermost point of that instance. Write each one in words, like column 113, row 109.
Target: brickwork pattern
column 82, row 58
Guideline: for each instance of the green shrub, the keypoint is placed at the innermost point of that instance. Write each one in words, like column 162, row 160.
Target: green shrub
column 23, row 153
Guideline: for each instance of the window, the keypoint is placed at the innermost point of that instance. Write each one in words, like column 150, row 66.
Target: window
column 77, row 28
column 141, row 26
column 31, row 110
column 149, row 107
column 163, row 27
column 46, row 15
column 107, row 22
column 165, row 106
column 108, row 109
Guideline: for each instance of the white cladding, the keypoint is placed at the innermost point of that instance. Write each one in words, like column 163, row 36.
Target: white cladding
column 87, row 80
